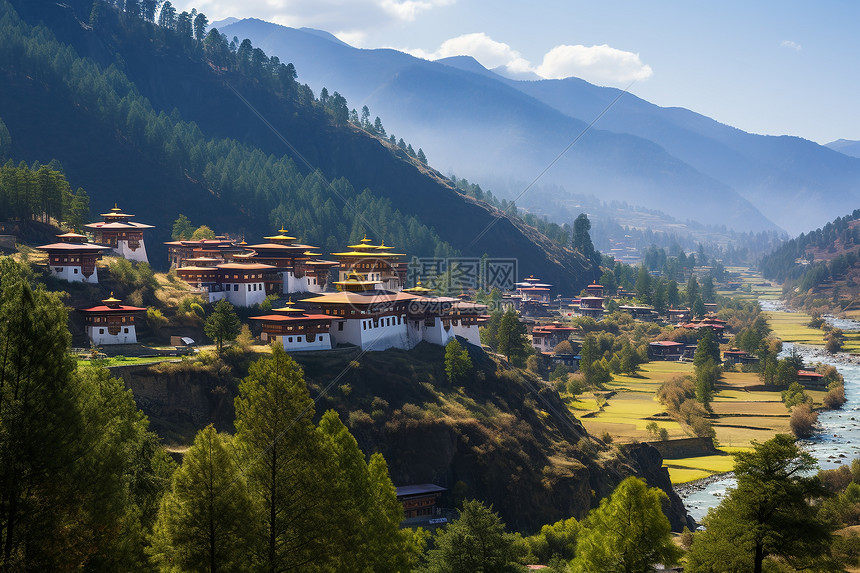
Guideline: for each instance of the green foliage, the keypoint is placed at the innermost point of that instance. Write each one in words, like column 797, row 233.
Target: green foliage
column 556, row 541
column 794, row 395
column 222, row 325
column 204, row 522
column 202, row 232
column 80, row 474
column 512, row 338
column 474, row 543
column 767, row 516
column 40, row 193
column 458, row 365
column 182, row 228
column 627, row 533
column 320, row 506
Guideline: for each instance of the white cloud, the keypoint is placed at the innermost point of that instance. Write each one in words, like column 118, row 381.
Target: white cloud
column 791, row 45
column 480, row 46
column 352, row 19
column 598, row 64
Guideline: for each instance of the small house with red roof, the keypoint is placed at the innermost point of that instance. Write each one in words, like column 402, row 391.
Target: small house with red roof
column 546, row 337
column 120, row 233
column 242, row 284
column 111, row 322
column 74, row 259
column 295, row 329
column 811, row 379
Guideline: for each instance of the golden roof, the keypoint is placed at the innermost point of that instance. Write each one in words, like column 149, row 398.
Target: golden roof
column 282, row 236
column 111, row 299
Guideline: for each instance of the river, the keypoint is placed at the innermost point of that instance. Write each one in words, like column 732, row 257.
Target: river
column 837, row 443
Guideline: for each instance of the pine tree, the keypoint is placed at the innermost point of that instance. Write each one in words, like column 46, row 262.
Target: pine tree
column 222, row 325
column 204, row 524
column 285, row 464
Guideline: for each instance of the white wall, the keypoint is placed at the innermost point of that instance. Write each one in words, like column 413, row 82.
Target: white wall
column 100, row 336
column 305, row 284
column 361, row 332
column 139, row 254
column 73, row 274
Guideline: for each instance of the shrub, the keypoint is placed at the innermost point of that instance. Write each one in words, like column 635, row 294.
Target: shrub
column 359, row 418
column 803, row 421
column 835, row 398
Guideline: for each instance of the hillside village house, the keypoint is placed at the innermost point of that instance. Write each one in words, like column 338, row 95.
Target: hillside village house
column 547, row 336
column 288, row 267
column 111, row 322
column 241, row 284
column 124, row 236
column 375, row 263
column 296, row 329
column 73, row 258
column 591, row 304
column 184, row 252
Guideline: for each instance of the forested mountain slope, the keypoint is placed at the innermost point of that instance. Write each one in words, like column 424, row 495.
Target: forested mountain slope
column 478, row 126
column 165, row 124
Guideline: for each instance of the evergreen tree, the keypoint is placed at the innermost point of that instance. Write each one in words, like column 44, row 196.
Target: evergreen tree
column 222, row 325
column 709, row 294
column 204, row 524
column 475, row 543
column 692, row 289
column 582, row 243
column 421, row 157
column 286, row 467
column 769, row 516
column 458, row 364
column 511, row 336
column 627, row 533
column 182, row 228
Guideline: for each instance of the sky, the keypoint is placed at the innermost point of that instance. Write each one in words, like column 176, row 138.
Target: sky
column 769, row 67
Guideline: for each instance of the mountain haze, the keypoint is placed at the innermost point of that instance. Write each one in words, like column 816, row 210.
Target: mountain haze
column 475, row 122
column 476, row 125
column 147, row 122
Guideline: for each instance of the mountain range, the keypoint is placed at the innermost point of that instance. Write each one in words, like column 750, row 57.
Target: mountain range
column 478, row 124
column 138, row 115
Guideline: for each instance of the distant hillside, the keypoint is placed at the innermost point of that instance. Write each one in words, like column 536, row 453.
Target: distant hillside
column 846, row 147
column 820, row 269
column 476, row 125
column 503, row 436
column 146, row 120
column 670, row 159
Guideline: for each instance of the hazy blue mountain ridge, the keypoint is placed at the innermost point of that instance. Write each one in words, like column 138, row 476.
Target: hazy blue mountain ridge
column 474, row 124
column 676, row 153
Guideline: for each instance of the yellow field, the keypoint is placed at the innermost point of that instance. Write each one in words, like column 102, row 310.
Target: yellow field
column 741, row 415
column 792, row 327
column 684, row 475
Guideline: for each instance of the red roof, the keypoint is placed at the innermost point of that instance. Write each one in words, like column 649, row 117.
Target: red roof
column 117, row 308
column 809, row 374
column 292, row 318
column 245, row 266
column 667, row 343
column 72, row 247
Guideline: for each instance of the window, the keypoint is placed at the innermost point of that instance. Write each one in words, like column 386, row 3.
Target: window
column 125, row 330
column 235, row 288
column 101, row 330
column 76, row 271
column 363, row 325
column 249, row 288
column 290, row 339
column 340, row 325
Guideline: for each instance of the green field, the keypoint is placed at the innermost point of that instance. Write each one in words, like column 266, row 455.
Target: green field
column 126, row 360
column 792, row 327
